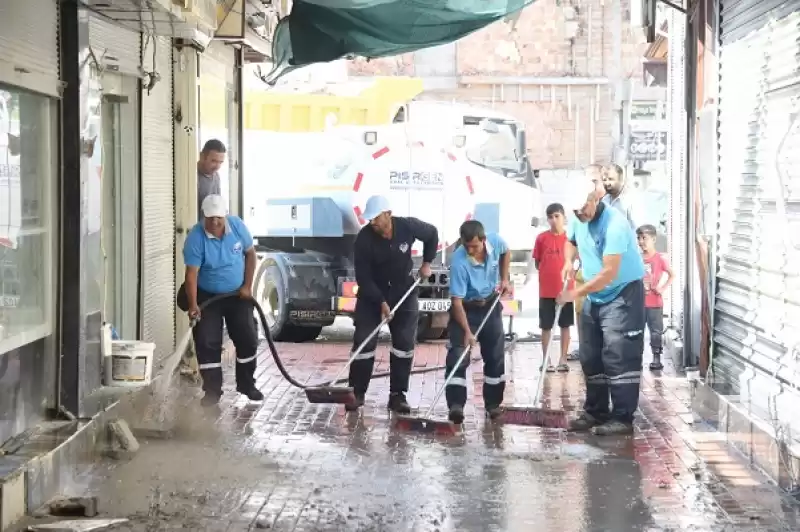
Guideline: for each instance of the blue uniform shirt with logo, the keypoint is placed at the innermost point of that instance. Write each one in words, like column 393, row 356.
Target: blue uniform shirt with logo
column 608, row 234
column 469, row 280
column 220, row 260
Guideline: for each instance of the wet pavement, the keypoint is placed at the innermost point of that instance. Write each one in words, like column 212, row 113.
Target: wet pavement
column 291, row 466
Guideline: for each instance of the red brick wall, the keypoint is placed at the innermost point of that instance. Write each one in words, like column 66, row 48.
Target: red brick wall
column 538, row 47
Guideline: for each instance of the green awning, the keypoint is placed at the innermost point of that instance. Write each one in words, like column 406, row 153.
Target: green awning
column 320, row 31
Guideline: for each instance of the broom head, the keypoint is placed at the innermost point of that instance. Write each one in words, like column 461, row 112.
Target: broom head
column 536, row 417
column 425, row 425
column 330, row 394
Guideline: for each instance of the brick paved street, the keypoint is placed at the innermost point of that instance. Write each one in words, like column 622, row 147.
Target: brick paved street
column 290, row 466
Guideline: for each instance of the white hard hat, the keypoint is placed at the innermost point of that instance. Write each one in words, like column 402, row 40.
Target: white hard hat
column 376, row 205
column 214, row 206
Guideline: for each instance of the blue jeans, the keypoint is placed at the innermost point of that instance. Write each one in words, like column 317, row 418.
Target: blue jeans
column 492, row 344
column 611, row 349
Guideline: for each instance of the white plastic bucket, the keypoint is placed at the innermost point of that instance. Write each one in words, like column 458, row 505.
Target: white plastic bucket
column 130, row 364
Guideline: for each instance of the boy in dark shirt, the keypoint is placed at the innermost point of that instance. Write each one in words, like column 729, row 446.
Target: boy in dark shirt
column 656, row 268
column 548, row 257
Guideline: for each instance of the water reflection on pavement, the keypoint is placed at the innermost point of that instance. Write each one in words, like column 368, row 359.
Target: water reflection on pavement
column 290, row 466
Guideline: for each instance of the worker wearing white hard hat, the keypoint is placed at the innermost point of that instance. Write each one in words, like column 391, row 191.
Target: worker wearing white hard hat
column 376, row 205
column 384, row 273
column 612, row 318
column 220, row 259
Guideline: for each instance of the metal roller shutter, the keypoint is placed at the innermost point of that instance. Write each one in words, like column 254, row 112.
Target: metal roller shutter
column 676, row 149
column 158, row 203
column 757, row 301
column 29, row 45
column 116, row 48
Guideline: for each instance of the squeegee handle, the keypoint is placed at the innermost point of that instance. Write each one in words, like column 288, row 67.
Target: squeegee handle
column 540, row 383
column 461, row 358
column 375, row 331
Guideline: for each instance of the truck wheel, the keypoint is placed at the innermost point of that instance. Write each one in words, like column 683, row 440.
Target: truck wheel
column 424, row 330
column 268, row 290
column 298, row 335
column 270, row 293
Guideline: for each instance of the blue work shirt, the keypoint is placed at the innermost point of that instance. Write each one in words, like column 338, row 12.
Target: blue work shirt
column 469, row 280
column 609, row 233
column 220, row 260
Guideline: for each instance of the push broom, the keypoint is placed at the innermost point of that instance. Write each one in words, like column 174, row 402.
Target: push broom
column 426, row 423
column 329, row 393
column 536, row 415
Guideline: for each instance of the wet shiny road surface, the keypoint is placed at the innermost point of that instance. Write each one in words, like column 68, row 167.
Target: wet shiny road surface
column 290, row 466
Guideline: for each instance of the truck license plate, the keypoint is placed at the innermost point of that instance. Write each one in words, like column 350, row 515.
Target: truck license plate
column 434, row 305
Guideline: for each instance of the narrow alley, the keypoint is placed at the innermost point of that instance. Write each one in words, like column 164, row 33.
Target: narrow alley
column 291, row 466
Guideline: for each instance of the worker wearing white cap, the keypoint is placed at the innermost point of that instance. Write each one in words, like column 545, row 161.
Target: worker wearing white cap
column 220, row 259
column 612, row 318
column 384, row 272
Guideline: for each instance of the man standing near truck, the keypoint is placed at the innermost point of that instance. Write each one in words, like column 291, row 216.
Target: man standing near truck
column 621, row 195
column 212, row 157
column 594, row 173
column 613, row 315
column 220, row 259
column 383, row 264
column 479, row 271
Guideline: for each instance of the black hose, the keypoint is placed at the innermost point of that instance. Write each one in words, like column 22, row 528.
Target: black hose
column 279, row 363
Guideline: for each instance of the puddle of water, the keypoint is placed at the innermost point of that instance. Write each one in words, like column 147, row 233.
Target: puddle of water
column 582, row 451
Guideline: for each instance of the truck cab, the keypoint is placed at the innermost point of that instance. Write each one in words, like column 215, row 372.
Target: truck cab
column 496, row 143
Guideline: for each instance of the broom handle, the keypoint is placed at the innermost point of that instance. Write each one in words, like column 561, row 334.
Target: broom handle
column 546, row 359
column 376, row 331
column 461, row 358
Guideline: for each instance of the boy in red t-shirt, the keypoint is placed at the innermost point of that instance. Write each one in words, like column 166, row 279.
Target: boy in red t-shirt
column 548, row 257
column 657, row 278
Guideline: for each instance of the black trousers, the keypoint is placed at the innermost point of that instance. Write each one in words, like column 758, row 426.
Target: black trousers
column 403, row 328
column 654, row 317
column 208, row 334
column 492, row 341
column 611, row 349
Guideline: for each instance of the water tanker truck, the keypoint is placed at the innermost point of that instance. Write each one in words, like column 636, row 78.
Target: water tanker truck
column 305, row 212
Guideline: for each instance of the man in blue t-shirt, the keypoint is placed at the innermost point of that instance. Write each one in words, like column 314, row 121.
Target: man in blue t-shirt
column 220, row 259
column 612, row 318
column 479, row 268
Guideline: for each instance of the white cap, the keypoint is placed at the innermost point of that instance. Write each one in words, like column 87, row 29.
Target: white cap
column 578, row 194
column 376, row 205
column 214, row 206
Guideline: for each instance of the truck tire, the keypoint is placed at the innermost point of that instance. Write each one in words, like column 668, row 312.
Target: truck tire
column 270, row 292
column 298, row 334
column 427, row 333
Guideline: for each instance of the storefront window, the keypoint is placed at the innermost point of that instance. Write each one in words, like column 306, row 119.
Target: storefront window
column 26, row 213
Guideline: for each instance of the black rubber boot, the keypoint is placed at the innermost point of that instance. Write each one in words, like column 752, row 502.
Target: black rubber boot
column 656, row 364
column 456, row 414
column 583, row 423
column 613, row 428
column 210, row 400
column 252, row 393
column 398, row 403
column 355, row 405
column 494, row 412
